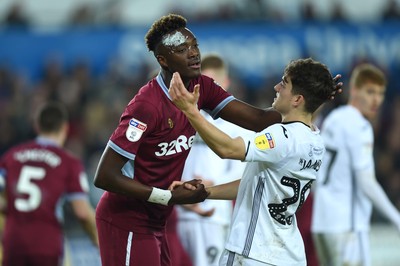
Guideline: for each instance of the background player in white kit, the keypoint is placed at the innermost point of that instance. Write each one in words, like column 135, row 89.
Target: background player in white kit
column 347, row 187
column 283, row 161
column 204, row 237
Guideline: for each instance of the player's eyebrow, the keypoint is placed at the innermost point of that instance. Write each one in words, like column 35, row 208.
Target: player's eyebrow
column 284, row 79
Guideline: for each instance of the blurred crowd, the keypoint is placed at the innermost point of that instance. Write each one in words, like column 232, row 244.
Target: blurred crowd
column 120, row 12
column 95, row 102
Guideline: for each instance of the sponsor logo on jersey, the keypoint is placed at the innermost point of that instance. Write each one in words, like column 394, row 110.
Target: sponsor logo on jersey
column 264, row 142
column 135, row 130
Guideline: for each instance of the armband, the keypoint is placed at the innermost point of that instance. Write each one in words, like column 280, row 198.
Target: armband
column 160, row 196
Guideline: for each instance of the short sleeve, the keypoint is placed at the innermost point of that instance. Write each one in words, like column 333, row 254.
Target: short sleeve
column 269, row 145
column 361, row 148
column 135, row 123
column 77, row 184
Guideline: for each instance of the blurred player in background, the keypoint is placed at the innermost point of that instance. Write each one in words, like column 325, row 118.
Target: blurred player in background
column 204, row 237
column 283, row 161
column 37, row 177
column 148, row 149
column 347, row 189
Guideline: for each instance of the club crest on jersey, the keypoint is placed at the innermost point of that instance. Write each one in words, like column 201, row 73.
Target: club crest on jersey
column 264, row 142
column 135, row 130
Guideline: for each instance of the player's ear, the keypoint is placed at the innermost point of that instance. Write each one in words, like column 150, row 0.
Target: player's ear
column 161, row 60
column 297, row 100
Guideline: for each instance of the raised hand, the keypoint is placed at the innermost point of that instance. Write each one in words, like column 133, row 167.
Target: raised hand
column 180, row 96
column 338, row 87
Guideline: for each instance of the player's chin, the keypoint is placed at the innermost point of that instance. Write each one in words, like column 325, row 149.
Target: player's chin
column 194, row 72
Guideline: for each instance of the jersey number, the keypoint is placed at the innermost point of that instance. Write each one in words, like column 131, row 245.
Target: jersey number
column 277, row 210
column 332, row 156
column 26, row 186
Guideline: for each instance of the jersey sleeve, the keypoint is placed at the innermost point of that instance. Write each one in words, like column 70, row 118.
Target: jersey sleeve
column 77, row 185
column 137, row 120
column 360, row 145
column 213, row 97
column 269, row 145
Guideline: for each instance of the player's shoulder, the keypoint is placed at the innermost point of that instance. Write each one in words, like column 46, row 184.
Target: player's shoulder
column 347, row 119
column 18, row 147
column 205, row 82
column 149, row 91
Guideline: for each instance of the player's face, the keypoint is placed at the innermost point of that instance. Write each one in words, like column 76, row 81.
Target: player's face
column 180, row 53
column 283, row 95
column 368, row 99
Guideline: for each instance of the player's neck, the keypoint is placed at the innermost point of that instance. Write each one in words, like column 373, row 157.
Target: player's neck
column 306, row 118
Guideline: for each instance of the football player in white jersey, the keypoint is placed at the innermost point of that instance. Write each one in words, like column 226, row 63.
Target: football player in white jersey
column 347, row 188
column 194, row 229
column 283, row 161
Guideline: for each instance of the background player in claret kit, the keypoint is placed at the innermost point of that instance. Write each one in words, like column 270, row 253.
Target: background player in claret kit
column 283, row 161
column 347, row 187
column 195, row 230
column 147, row 151
column 37, row 175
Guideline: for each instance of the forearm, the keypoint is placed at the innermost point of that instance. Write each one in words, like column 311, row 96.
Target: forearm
column 222, row 144
column 85, row 214
column 89, row 225
column 378, row 197
column 250, row 117
column 226, row 191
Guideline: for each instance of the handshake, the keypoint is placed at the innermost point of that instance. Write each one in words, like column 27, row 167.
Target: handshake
column 188, row 192
column 180, row 192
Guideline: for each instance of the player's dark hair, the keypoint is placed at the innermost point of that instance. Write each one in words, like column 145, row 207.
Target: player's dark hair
column 165, row 25
column 51, row 116
column 311, row 79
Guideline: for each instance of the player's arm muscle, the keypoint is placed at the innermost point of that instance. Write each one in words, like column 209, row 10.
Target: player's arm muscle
column 222, row 144
column 109, row 177
column 248, row 116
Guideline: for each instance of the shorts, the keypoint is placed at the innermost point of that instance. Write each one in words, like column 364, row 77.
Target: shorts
column 350, row 248
column 120, row 247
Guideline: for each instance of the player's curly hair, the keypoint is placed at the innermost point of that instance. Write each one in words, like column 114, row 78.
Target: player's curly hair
column 311, row 79
column 164, row 25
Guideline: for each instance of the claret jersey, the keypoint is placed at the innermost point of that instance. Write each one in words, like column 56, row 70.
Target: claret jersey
column 156, row 138
column 283, row 161
column 38, row 176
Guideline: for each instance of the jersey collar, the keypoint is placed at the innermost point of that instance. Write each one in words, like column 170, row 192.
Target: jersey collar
column 164, row 88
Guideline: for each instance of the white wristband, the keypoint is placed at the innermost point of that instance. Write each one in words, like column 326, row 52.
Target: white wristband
column 160, row 196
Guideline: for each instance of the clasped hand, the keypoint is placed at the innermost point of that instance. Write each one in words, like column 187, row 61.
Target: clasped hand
column 188, row 192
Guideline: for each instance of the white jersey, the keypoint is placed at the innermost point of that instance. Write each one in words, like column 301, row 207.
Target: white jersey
column 283, row 161
column 339, row 204
column 202, row 161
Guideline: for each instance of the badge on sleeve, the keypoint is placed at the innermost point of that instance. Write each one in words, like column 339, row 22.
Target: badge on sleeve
column 264, row 142
column 135, row 130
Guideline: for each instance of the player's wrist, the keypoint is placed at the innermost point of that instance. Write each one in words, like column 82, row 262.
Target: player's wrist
column 160, row 196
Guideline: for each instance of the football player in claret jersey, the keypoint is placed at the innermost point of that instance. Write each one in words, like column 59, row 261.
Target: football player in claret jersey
column 38, row 175
column 148, row 149
column 283, row 161
column 347, row 188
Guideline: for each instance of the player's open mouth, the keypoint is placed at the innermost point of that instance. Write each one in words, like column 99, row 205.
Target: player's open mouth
column 195, row 64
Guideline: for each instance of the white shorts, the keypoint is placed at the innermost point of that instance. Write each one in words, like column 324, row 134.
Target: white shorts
column 336, row 249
